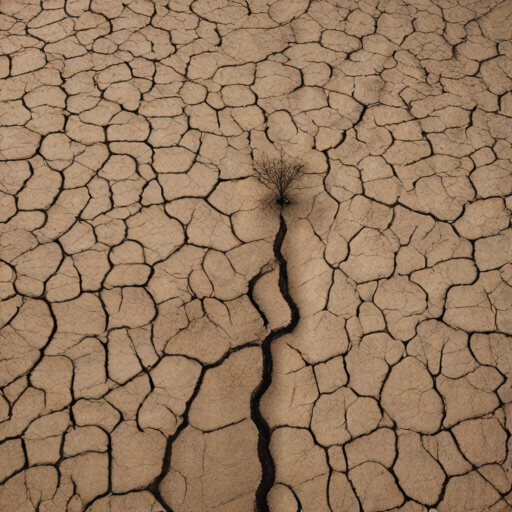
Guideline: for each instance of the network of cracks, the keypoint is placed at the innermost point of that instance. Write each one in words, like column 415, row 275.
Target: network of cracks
column 174, row 340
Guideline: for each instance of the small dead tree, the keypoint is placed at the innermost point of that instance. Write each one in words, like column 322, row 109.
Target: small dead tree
column 279, row 175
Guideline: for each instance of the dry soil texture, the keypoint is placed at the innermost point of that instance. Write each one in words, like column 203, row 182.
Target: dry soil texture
column 172, row 340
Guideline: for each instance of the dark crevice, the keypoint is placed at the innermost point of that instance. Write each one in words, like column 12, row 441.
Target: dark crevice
column 265, row 432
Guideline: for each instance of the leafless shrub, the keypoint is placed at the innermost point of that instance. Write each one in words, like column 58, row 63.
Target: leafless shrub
column 279, row 175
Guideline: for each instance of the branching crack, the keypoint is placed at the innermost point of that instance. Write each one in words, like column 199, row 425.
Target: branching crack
column 266, row 461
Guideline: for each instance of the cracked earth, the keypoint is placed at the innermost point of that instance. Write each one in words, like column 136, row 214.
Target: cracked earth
column 172, row 340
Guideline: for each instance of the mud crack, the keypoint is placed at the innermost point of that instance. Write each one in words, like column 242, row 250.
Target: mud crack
column 266, row 461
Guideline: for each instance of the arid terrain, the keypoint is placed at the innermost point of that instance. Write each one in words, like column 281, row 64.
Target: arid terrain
column 174, row 340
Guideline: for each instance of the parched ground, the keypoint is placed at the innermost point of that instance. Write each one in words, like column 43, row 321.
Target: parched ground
column 172, row 340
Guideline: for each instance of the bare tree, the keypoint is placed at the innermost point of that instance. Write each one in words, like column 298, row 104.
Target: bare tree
column 279, row 175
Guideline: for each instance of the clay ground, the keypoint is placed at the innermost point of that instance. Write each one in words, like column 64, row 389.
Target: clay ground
column 174, row 341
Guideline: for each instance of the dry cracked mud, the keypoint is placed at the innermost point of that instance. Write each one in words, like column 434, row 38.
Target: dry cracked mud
column 171, row 340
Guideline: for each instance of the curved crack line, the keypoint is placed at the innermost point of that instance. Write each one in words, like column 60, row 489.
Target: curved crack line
column 154, row 487
column 266, row 461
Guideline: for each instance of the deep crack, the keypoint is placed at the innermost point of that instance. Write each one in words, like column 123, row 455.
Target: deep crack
column 266, row 461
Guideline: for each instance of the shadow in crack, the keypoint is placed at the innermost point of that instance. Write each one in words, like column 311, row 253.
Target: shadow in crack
column 267, row 463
